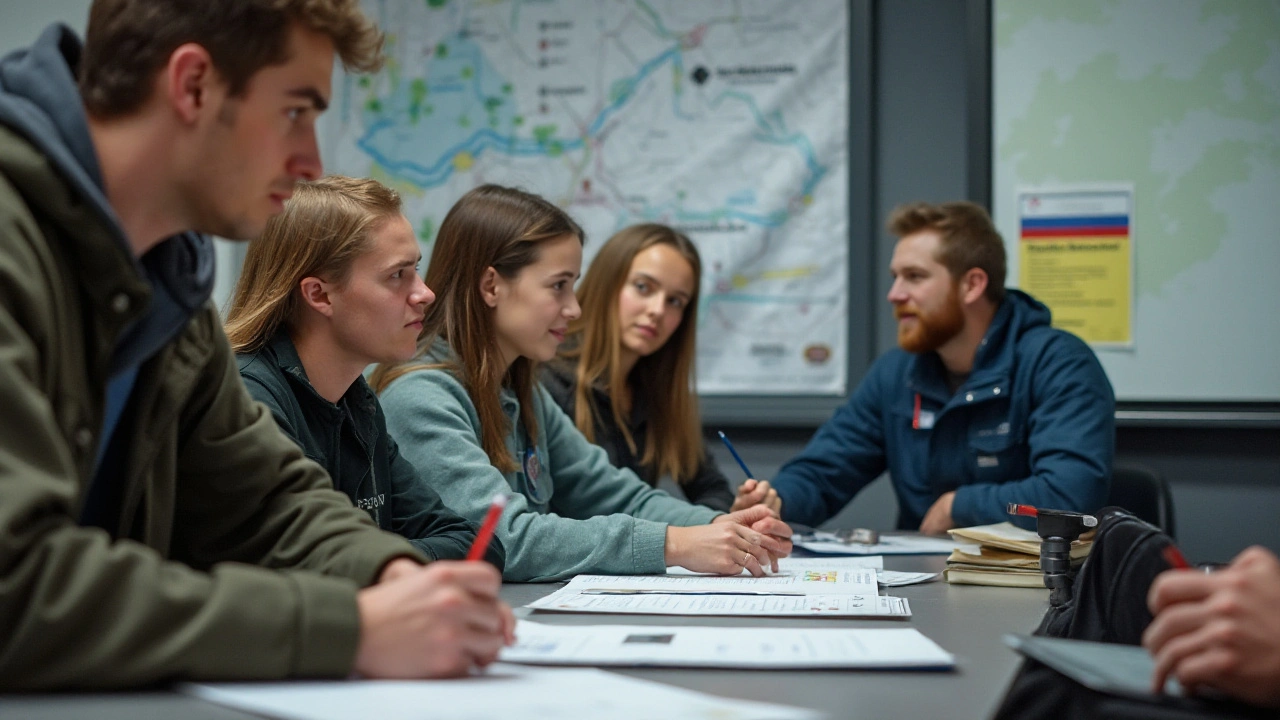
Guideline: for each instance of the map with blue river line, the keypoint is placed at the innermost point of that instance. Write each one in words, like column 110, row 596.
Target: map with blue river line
column 727, row 120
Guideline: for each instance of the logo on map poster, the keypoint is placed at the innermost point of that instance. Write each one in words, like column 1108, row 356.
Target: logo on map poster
column 817, row 354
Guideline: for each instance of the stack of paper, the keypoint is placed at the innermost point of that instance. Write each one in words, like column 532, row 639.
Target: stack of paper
column 1007, row 556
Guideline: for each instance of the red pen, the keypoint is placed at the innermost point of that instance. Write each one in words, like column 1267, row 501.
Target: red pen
column 1174, row 557
column 486, row 528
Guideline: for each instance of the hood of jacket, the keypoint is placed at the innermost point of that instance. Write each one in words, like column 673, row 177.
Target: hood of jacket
column 40, row 102
column 1019, row 316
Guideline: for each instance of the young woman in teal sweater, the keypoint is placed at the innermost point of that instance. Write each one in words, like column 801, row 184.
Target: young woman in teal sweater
column 469, row 413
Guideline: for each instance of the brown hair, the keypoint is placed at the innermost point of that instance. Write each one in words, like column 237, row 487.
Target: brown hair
column 128, row 41
column 968, row 239
column 665, row 377
column 325, row 226
column 489, row 227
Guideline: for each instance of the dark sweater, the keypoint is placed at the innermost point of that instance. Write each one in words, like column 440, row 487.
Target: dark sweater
column 350, row 440
column 708, row 487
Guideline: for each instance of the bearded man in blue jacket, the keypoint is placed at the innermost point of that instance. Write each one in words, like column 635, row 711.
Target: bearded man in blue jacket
column 984, row 404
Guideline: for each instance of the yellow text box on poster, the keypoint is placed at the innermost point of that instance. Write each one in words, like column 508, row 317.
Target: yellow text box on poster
column 1085, row 281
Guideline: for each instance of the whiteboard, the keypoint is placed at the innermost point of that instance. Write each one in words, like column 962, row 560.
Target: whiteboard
column 1181, row 99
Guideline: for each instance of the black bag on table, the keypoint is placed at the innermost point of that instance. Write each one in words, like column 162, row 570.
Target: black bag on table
column 1108, row 604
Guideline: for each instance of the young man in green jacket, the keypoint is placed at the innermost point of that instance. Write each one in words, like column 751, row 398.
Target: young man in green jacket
column 154, row 521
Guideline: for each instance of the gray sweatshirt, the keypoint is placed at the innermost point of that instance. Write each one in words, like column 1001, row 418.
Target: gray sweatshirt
column 578, row 514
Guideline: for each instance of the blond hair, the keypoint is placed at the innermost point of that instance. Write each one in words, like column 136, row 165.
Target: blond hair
column 325, row 226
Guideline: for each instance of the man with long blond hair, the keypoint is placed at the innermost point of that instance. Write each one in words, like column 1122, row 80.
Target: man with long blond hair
column 154, row 522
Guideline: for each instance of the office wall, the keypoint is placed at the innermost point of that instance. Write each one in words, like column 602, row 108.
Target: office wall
column 24, row 19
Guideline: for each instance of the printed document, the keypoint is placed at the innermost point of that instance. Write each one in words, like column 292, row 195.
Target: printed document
column 827, row 544
column 723, row 647
column 502, row 692
column 792, row 564
column 886, row 578
column 817, row 580
column 568, row 600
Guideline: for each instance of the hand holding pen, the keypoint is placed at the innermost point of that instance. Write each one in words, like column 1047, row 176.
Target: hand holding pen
column 1218, row 631
column 752, row 492
column 441, row 620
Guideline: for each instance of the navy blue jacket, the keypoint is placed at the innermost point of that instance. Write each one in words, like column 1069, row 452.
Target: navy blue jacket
column 351, row 442
column 1034, row 423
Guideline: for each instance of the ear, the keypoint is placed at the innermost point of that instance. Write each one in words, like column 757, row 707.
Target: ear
column 490, row 286
column 973, row 285
column 190, row 81
column 315, row 295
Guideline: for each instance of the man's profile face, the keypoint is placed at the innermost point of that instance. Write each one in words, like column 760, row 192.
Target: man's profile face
column 925, row 298
column 259, row 144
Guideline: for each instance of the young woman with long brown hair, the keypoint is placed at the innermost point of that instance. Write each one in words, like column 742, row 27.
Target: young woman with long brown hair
column 468, row 411
column 625, row 372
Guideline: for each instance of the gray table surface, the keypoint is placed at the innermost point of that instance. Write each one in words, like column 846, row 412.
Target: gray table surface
column 965, row 620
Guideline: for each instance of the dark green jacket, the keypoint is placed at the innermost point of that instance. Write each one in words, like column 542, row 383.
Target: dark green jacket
column 350, row 440
column 232, row 556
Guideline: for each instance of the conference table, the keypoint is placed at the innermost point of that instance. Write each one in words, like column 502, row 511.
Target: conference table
column 966, row 620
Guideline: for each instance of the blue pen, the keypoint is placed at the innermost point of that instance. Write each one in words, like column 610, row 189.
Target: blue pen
column 735, row 454
column 725, row 439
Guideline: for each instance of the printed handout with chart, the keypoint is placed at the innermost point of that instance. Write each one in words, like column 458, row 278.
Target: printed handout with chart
column 793, row 565
column 815, row 580
column 853, row 606
column 722, row 647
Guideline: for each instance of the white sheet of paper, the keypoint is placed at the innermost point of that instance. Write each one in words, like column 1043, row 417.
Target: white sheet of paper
column 792, row 564
column 503, row 692
column 566, row 600
column 886, row 578
column 817, row 580
column 826, row 543
column 897, row 578
column 876, row 562
column 718, row 647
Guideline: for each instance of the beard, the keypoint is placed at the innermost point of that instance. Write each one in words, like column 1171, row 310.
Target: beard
column 930, row 330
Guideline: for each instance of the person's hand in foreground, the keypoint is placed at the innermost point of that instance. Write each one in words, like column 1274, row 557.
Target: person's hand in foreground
column 1219, row 631
column 436, row 621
